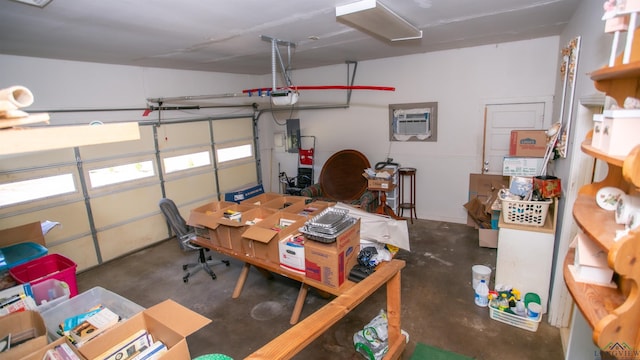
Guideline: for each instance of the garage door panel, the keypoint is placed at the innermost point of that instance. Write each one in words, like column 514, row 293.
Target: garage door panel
column 144, row 145
column 81, row 251
column 127, row 238
column 183, row 134
column 123, row 206
column 233, row 129
column 182, row 190
column 237, row 177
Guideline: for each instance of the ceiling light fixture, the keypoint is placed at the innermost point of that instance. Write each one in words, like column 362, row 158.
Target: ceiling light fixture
column 37, row 3
column 376, row 18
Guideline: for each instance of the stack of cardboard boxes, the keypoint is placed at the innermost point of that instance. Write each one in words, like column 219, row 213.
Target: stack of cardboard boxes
column 268, row 230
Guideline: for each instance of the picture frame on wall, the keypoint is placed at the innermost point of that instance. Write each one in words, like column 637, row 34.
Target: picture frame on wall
column 413, row 122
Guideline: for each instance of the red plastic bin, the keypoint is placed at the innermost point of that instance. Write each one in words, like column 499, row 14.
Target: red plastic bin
column 52, row 266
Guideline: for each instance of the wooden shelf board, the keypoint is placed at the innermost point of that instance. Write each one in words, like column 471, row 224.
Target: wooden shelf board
column 22, row 140
column 590, row 150
column 599, row 224
column 595, row 302
column 617, row 72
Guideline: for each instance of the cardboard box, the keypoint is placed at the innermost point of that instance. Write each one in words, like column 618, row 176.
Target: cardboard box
column 528, row 143
column 378, row 183
column 522, row 166
column 201, row 216
column 283, row 202
column 488, row 238
column 229, row 233
column 259, row 200
column 308, row 210
column 24, row 233
column 167, row 321
column 330, row 264
column 261, row 240
column 40, row 353
column 23, row 325
column 221, row 229
column 483, row 187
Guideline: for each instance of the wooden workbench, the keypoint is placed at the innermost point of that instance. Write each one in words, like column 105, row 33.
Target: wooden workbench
column 263, row 266
column 292, row 341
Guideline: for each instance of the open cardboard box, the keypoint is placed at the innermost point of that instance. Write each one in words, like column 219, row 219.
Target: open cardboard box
column 219, row 235
column 167, row 321
column 228, row 233
column 284, row 202
column 207, row 215
column 201, row 216
column 309, row 210
column 40, row 353
column 24, row 233
column 261, row 240
column 28, row 325
column 261, row 199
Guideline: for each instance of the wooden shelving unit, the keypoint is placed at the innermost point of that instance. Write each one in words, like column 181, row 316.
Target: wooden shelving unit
column 613, row 313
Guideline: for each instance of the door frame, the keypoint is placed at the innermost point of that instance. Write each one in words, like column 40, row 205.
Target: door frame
column 546, row 122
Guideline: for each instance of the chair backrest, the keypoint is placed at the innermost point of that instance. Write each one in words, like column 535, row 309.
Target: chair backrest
column 172, row 215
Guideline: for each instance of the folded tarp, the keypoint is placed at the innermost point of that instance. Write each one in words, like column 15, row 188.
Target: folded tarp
column 380, row 228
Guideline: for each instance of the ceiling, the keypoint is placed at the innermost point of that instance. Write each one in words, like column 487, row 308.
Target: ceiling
column 225, row 36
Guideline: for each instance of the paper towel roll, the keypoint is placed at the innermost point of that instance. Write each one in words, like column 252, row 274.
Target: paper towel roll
column 15, row 97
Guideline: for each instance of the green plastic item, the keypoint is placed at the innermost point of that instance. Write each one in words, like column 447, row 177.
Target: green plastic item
column 213, row 357
column 531, row 297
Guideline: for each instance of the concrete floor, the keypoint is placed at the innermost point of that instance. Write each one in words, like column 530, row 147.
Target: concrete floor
column 437, row 301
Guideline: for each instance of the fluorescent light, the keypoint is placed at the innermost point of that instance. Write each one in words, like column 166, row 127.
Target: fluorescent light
column 38, row 3
column 375, row 18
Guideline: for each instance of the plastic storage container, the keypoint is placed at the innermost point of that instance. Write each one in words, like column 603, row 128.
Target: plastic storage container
column 50, row 293
column 52, row 266
column 55, row 315
column 17, row 254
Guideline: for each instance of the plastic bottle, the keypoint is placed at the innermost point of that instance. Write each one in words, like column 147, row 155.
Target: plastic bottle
column 503, row 304
column 482, row 294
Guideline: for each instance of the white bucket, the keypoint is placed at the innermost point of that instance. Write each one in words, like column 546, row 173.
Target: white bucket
column 480, row 272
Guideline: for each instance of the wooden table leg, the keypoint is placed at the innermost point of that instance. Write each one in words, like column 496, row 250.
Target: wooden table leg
column 297, row 309
column 241, row 280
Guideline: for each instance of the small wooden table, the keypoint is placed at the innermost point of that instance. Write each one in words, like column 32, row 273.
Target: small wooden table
column 383, row 208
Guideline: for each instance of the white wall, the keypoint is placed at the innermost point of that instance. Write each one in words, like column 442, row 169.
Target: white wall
column 459, row 80
column 60, row 84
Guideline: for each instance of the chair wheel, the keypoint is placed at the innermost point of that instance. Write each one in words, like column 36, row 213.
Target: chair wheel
column 213, row 276
column 185, row 279
column 185, row 267
column 226, row 262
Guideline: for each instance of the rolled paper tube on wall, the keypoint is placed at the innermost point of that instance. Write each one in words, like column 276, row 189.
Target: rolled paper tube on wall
column 15, row 97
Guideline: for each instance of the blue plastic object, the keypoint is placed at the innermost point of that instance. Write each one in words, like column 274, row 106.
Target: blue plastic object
column 17, row 254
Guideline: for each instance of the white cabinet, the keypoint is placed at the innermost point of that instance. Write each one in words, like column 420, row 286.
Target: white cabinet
column 525, row 256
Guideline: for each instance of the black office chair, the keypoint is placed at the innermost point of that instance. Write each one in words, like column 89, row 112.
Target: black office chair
column 185, row 233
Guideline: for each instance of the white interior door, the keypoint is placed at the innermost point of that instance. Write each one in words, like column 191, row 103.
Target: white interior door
column 500, row 119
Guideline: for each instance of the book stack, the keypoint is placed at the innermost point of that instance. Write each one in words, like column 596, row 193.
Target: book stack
column 139, row 346
column 233, row 215
column 61, row 352
column 17, row 298
column 86, row 326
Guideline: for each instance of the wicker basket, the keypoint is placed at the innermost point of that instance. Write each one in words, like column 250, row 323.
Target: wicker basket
column 533, row 213
column 515, row 320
